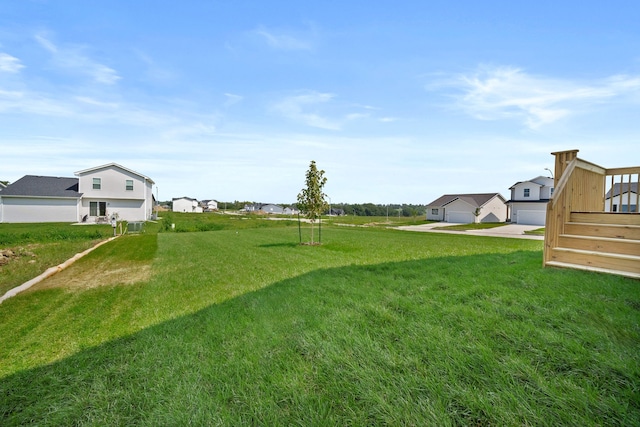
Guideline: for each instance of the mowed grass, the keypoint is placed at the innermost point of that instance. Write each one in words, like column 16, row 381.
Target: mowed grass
column 374, row 327
column 43, row 245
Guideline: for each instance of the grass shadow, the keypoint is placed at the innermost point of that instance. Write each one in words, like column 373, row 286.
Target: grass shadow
column 480, row 339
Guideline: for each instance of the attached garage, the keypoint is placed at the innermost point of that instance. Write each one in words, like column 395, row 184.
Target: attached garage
column 30, row 209
column 460, row 217
column 40, row 199
column 531, row 217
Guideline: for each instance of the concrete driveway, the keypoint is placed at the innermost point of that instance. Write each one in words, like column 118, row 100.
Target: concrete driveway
column 514, row 231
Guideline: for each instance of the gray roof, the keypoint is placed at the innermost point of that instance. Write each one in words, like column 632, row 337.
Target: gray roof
column 625, row 189
column 43, row 186
column 476, row 200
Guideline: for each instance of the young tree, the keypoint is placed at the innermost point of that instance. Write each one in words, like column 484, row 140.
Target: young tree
column 311, row 200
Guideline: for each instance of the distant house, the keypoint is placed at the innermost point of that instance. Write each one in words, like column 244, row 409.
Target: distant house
column 267, row 208
column 186, row 204
column 272, row 209
column 528, row 203
column 209, row 205
column 625, row 198
column 468, row 208
column 97, row 194
column 290, row 210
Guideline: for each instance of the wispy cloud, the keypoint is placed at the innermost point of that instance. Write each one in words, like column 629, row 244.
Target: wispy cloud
column 296, row 108
column 320, row 110
column 232, row 99
column 73, row 58
column 283, row 41
column 9, row 64
column 494, row 93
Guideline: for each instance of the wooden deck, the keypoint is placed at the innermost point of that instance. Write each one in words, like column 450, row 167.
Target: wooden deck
column 582, row 231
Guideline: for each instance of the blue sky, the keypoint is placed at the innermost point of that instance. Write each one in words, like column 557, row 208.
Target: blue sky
column 399, row 102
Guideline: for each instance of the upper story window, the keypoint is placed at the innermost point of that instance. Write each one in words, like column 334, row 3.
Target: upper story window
column 527, row 192
column 129, row 185
column 97, row 183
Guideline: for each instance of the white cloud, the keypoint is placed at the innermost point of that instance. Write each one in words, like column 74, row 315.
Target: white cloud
column 296, row 108
column 73, row 58
column 9, row 64
column 232, row 99
column 494, row 93
column 283, row 41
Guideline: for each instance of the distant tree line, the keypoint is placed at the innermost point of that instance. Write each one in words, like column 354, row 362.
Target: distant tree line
column 371, row 209
column 358, row 209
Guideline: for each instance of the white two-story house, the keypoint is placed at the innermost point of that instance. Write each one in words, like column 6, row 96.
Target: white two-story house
column 95, row 195
column 113, row 190
column 528, row 203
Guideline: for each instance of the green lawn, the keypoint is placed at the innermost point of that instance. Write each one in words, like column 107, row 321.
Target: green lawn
column 374, row 327
column 40, row 246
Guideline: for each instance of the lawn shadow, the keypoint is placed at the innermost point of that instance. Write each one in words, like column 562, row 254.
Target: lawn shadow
column 423, row 340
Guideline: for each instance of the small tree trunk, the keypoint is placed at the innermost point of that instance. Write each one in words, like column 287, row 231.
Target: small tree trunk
column 312, row 232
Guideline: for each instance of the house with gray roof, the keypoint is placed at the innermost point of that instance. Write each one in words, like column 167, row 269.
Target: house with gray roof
column 468, row 208
column 622, row 197
column 186, row 204
column 528, row 203
column 96, row 194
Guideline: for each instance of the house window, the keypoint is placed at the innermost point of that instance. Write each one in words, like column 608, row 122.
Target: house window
column 97, row 183
column 434, row 211
column 97, row 208
column 527, row 192
column 551, row 192
column 129, row 185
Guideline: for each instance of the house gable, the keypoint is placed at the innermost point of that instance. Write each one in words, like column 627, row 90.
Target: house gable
column 468, row 208
column 114, row 182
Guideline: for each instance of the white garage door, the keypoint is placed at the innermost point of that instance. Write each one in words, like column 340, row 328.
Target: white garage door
column 531, row 217
column 460, row 217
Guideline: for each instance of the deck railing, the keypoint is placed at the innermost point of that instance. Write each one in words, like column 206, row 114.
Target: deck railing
column 581, row 186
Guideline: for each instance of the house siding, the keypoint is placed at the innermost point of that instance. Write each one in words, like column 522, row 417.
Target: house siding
column 621, row 201
column 528, row 213
column 186, row 205
column 37, row 209
column 129, row 205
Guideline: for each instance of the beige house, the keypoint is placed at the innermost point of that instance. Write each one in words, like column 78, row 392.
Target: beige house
column 468, row 208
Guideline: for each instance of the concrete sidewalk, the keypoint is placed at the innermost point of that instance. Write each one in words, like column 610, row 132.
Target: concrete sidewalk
column 514, row 231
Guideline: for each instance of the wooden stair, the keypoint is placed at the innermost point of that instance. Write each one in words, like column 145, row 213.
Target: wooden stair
column 597, row 241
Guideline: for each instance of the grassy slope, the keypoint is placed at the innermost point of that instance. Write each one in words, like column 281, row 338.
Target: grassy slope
column 42, row 246
column 373, row 327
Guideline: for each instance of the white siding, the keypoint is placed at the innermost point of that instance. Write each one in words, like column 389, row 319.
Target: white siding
column 131, row 205
column 33, row 209
column 493, row 211
column 625, row 201
column 528, row 213
column 186, row 205
column 437, row 216
column 460, row 217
